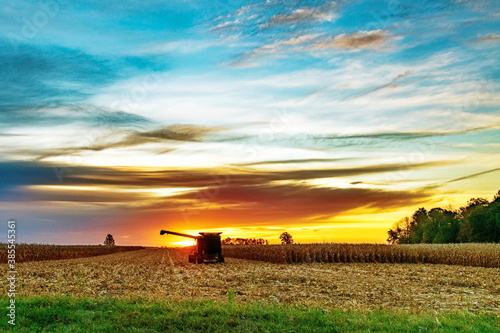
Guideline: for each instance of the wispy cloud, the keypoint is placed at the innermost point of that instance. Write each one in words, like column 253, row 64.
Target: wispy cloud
column 324, row 12
column 489, row 38
column 275, row 24
column 50, row 85
column 177, row 132
column 366, row 140
column 35, row 77
column 373, row 39
column 411, row 135
column 296, row 161
column 41, row 173
column 130, row 138
column 272, row 15
column 471, row 176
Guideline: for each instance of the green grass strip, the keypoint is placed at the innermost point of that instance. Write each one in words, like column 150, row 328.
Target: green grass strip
column 68, row 314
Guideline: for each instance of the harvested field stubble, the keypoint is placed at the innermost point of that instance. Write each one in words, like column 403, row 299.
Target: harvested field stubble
column 166, row 274
column 37, row 252
column 483, row 255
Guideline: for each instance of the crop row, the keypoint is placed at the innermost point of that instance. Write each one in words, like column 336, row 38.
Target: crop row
column 37, row 252
column 484, row 255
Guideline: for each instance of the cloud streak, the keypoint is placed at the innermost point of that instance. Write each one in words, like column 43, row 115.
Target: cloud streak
column 41, row 173
column 305, row 15
column 471, row 176
column 297, row 161
column 489, row 38
column 130, row 138
column 373, row 39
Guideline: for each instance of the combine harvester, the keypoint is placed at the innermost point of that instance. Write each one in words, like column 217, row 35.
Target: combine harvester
column 208, row 247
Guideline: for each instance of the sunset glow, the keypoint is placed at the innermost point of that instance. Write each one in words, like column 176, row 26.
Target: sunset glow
column 245, row 117
column 185, row 243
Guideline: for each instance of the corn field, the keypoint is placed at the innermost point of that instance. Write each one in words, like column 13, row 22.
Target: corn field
column 471, row 254
column 37, row 252
column 165, row 273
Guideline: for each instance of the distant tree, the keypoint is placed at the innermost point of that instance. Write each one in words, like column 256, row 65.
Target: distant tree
column 393, row 236
column 494, row 212
column 485, row 224
column 496, row 198
column 472, row 205
column 109, row 241
column 400, row 233
column 446, row 225
column 465, row 232
column 286, row 238
column 418, row 221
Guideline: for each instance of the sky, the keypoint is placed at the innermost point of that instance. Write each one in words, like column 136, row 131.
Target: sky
column 331, row 120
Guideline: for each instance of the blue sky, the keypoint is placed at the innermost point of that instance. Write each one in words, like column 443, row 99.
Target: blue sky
column 118, row 112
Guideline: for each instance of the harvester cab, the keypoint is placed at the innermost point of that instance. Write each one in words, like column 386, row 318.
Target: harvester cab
column 208, row 246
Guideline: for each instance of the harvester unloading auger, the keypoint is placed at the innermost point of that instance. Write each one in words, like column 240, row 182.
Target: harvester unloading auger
column 208, row 246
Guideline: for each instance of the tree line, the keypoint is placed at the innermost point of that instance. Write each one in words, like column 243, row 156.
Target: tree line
column 478, row 221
